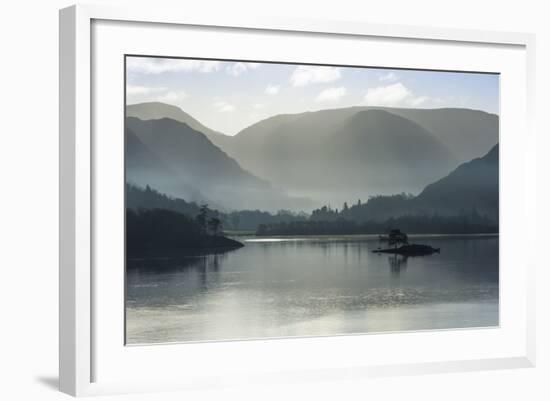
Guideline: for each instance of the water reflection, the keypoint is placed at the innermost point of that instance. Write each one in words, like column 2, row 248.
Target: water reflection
column 397, row 263
column 317, row 286
column 176, row 263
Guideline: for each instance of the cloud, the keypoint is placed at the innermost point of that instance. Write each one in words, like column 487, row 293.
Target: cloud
column 393, row 95
column 417, row 101
column 136, row 90
column 258, row 106
column 388, row 77
column 173, row 97
column 224, row 107
column 236, row 69
column 139, row 94
column 253, row 66
column 153, row 65
column 331, row 94
column 272, row 89
column 305, row 75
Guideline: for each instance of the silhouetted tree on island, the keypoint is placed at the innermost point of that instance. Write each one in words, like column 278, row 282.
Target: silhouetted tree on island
column 215, row 225
column 202, row 217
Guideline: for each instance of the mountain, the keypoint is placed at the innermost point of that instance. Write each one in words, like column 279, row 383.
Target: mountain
column 473, row 185
column 467, row 133
column 336, row 155
column 471, row 189
column 142, row 163
column 178, row 157
column 383, row 147
column 343, row 153
column 158, row 110
column 144, row 167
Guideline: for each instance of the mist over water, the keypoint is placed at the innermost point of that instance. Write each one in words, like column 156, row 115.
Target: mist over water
column 310, row 286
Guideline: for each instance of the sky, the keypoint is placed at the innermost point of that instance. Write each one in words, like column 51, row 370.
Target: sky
column 228, row 96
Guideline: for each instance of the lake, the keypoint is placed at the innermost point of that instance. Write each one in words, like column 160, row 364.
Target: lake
column 313, row 286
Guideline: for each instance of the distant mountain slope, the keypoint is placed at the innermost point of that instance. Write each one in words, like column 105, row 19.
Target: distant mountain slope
column 197, row 163
column 189, row 152
column 144, row 167
column 343, row 153
column 384, row 147
column 467, row 133
column 473, row 187
column 140, row 160
column 301, row 127
column 339, row 154
column 158, row 110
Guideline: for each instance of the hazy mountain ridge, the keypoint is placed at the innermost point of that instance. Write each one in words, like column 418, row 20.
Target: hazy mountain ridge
column 144, row 167
column 189, row 151
column 343, row 153
column 198, row 163
column 339, row 154
column 401, row 151
column 158, row 110
column 467, row 133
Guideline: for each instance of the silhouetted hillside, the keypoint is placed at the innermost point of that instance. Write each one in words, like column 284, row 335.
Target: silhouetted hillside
column 472, row 185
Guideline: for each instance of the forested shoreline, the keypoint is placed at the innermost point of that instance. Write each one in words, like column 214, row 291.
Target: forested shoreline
column 161, row 232
column 157, row 222
column 460, row 224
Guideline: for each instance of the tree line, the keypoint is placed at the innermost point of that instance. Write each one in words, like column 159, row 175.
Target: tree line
column 417, row 224
column 242, row 220
column 160, row 232
column 376, row 215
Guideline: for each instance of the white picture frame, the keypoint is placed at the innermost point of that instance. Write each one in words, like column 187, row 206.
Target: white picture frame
column 83, row 344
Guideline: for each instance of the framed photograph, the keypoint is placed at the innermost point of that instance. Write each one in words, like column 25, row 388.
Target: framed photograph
column 264, row 201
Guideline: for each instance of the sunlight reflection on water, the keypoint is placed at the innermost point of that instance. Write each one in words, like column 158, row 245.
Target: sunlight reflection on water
column 278, row 287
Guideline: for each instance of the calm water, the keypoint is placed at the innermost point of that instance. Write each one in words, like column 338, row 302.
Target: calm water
column 310, row 287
